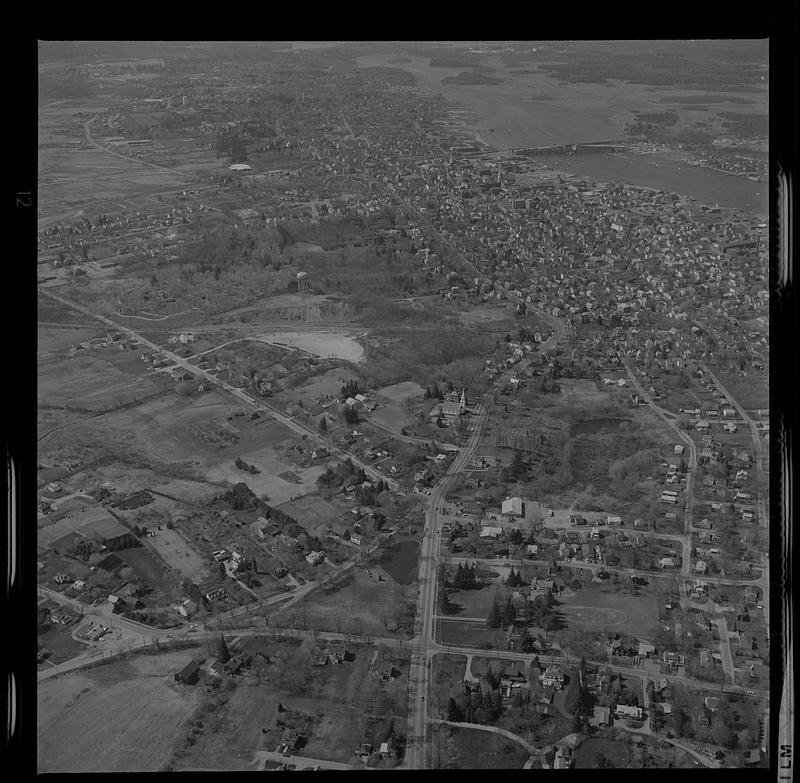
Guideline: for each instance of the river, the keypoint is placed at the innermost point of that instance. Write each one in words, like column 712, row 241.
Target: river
column 661, row 172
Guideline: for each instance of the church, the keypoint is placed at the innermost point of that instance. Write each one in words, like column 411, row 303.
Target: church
column 452, row 407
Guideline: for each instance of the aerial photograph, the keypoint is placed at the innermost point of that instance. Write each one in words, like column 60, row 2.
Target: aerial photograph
column 402, row 405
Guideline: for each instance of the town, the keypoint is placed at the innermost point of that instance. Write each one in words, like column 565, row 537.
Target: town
column 370, row 437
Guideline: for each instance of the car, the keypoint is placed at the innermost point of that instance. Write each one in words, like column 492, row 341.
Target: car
column 422, row 698
column 169, row 636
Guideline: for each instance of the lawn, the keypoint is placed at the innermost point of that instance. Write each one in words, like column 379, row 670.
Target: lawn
column 447, row 671
column 751, row 391
column 58, row 640
column 477, row 603
column 589, row 751
column 149, row 569
column 620, row 613
column 475, row 749
column 476, row 635
column 359, row 604
column 178, row 554
column 121, row 717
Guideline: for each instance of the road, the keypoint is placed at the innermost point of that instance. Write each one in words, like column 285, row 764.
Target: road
column 425, row 643
column 184, row 364
column 761, row 467
column 301, row 762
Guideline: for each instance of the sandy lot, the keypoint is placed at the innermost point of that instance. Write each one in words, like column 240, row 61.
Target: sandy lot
column 122, row 717
column 324, row 343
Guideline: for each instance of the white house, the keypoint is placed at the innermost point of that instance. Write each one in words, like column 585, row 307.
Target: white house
column 513, row 507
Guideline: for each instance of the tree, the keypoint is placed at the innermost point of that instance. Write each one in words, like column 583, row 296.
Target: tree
column 223, row 653
column 577, row 723
column 323, row 426
column 493, row 619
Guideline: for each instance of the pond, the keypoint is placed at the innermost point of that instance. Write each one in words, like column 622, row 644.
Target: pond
column 400, row 561
column 593, row 426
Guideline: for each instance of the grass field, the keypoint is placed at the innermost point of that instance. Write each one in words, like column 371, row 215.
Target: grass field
column 121, row 717
column 58, row 640
column 151, row 571
column 620, row 613
column 471, row 635
column 477, row 603
column 391, row 417
column 475, row 749
column 751, row 391
column 96, row 380
column 179, row 554
column 590, row 750
column 398, row 392
column 360, row 604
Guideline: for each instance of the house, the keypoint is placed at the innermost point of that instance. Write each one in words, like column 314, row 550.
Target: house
column 235, row 664
column 314, row 558
column 187, row 608
column 552, row 677
column 646, row 650
column 678, row 448
column 79, row 584
column 490, row 531
column 513, row 507
column 711, row 703
column 563, row 758
column 188, row 674
column 666, row 562
column 577, row 519
column 628, row 711
column 213, row 595
column 601, row 717
column 291, row 741
column 673, row 660
column 614, row 520
column 700, row 567
column 386, row 749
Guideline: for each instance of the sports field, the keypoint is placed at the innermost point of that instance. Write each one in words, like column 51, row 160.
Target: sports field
column 616, row 612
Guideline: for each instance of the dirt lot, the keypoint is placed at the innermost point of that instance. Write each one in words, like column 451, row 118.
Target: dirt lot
column 100, row 720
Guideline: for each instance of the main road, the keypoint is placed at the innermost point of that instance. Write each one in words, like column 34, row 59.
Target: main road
column 425, row 643
column 184, row 364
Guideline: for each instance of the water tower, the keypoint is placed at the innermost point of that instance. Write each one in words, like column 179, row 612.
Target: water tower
column 302, row 282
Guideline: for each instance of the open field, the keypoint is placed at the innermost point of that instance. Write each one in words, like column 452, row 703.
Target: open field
column 751, row 391
column 315, row 512
column 325, row 344
column 398, row 392
column 97, row 380
column 151, row 571
column 620, row 613
column 470, row 635
column 359, row 604
column 590, row 750
column 391, row 417
column 475, row 749
column 179, row 554
column 59, row 642
column 101, row 719
column 73, row 178
column 477, row 603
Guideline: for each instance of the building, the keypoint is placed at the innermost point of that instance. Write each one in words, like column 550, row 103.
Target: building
column 314, row 558
column 213, row 595
column 513, row 507
column 628, row 711
column 552, row 677
column 189, row 673
column 601, row 717
column 490, row 531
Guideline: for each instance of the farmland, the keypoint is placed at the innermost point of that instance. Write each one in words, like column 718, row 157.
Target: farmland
column 95, row 721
